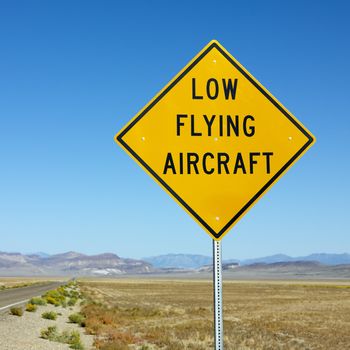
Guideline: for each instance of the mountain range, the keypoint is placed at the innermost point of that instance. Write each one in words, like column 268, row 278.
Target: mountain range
column 196, row 261
column 109, row 264
column 70, row 263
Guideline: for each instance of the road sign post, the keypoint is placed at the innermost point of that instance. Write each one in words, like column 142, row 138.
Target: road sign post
column 216, row 140
column 218, row 309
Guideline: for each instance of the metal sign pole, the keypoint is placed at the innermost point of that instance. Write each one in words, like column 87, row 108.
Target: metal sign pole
column 217, row 279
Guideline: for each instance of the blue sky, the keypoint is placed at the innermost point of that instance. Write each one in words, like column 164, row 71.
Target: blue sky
column 72, row 73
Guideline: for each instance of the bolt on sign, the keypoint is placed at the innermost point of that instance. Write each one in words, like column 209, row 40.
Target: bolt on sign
column 215, row 139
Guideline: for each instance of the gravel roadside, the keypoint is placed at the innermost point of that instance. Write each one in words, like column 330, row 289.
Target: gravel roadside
column 23, row 333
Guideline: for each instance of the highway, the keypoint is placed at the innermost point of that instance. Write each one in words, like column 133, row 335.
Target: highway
column 16, row 296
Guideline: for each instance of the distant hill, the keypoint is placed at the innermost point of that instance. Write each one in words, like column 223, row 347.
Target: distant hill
column 191, row 261
column 308, row 270
column 328, row 259
column 268, row 259
column 323, row 258
column 41, row 254
column 183, row 261
column 70, row 263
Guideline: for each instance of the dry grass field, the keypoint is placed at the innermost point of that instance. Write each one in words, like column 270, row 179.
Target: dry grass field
column 16, row 282
column 177, row 315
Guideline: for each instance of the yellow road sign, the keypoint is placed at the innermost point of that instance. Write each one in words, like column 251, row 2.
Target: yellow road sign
column 215, row 139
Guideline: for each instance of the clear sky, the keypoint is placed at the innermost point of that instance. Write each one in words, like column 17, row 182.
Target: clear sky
column 72, row 73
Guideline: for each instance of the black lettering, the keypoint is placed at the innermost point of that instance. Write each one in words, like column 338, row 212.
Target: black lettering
column 193, row 132
column 204, row 163
column 169, row 164
column 221, row 125
column 216, row 88
column 192, row 162
column 194, row 96
column 252, row 161
column 179, row 123
column 181, row 156
column 209, row 123
column 239, row 164
column 229, row 89
column 233, row 125
column 268, row 155
column 223, row 162
column 248, row 131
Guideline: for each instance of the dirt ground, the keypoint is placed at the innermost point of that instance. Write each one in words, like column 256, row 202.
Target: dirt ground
column 24, row 332
column 159, row 314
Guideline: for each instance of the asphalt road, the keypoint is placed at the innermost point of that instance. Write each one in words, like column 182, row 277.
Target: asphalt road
column 17, row 296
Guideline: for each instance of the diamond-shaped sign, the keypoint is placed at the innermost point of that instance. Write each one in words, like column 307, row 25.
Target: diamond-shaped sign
column 215, row 139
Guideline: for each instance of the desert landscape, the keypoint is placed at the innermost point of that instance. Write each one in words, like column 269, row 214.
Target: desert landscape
column 168, row 314
column 132, row 304
column 155, row 312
